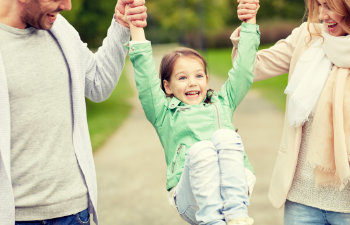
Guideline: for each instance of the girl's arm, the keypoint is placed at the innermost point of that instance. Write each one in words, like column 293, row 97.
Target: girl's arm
column 273, row 61
column 137, row 33
column 241, row 75
column 152, row 97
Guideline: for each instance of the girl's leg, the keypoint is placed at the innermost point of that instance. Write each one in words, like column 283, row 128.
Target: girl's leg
column 299, row 214
column 184, row 199
column 204, row 183
column 234, row 187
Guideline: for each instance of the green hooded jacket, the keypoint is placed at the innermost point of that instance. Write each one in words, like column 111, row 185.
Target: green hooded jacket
column 179, row 125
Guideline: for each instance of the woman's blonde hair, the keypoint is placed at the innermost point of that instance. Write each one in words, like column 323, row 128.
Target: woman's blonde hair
column 341, row 7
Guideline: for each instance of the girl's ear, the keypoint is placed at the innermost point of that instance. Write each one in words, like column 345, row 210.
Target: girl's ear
column 167, row 88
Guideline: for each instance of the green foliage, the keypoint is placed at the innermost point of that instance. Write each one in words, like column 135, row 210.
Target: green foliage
column 219, row 63
column 72, row 15
column 104, row 118
column 174, row 20
column 185, row 21
column 92, row 19
column 281, row 9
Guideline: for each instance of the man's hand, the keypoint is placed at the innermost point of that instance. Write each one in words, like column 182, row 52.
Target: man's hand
column 247, row 10
column 136, row 13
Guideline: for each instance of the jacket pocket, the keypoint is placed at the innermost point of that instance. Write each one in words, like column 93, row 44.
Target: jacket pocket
column 179, row 159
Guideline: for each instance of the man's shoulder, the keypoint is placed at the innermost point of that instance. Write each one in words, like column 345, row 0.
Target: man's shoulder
column 62, row 25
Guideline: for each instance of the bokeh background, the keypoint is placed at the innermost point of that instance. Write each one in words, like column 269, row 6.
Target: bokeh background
column 128, row 156
column 205, row 25
column 205, row 22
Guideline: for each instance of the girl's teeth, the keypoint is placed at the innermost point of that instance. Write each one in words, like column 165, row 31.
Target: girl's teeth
column 192, row 93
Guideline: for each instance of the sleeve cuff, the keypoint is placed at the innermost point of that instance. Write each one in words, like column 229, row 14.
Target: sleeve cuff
column 138, row 42
column 250, row 28
column 138, row 46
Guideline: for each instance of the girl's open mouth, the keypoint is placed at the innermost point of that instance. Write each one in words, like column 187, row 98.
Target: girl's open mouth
column 192, row 93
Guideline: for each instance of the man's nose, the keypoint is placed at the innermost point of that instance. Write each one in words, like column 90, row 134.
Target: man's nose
column 66, row 5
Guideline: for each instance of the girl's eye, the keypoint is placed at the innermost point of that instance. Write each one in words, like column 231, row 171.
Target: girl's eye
column 199, row 75
column 182, row 77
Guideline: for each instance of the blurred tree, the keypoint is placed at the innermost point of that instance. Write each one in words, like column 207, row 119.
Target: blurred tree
column 177, row 20
column 281, row 9
column 180, row 18
column 92, row 19
column 73, row 13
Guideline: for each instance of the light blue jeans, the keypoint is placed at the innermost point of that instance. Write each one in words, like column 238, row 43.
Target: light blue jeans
column 299, row 214
column 213, row 187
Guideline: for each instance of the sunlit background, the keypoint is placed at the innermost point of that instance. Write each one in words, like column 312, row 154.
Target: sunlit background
column 197, row 23
column 131, row 173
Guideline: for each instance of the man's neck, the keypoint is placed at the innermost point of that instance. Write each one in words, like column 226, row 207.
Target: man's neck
column 10, row 14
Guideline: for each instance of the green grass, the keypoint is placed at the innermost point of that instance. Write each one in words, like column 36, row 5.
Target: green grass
column 104, row 118
column 219, row 63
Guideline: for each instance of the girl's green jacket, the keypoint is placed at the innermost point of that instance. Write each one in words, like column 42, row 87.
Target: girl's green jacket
column 179, row 125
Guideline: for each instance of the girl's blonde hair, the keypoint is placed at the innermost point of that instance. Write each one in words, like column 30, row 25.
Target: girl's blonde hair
column 341, row 7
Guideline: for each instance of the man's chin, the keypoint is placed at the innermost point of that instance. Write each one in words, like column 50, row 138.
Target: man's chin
column 46, row 26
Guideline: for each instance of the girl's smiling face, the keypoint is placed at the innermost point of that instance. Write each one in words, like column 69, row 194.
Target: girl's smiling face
column 188, row 81
column 332, row 21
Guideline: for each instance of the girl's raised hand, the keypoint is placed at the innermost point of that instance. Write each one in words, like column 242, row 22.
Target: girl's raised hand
column 131, row 16
column 247, row 10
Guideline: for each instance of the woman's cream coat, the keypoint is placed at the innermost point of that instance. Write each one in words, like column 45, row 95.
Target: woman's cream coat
column 277, row 60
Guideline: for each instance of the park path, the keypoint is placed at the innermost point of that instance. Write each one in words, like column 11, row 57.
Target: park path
column 131, row 165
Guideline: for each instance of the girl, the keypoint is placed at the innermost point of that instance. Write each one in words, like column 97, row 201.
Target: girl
column 312, row 168
column 204, row 154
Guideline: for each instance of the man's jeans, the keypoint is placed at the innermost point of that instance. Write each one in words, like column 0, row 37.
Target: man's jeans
column 299, row 214
column 81, row 218
column 213, row 187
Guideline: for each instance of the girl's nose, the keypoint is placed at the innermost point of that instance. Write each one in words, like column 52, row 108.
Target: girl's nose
column 192, row 81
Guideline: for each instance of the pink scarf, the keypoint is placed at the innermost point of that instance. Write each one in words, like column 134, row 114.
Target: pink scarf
column 329, row 143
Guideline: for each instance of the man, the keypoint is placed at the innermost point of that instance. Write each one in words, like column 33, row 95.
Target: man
column 47, row 173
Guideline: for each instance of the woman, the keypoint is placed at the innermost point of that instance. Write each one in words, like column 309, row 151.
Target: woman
column 311, row 172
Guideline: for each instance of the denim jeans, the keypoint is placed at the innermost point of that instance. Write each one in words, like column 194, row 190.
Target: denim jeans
column 299, row 214
column 213, row 187
column 81, row 218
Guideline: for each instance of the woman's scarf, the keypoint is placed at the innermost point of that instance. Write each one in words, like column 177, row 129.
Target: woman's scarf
column 329, row 141
column 306, row 83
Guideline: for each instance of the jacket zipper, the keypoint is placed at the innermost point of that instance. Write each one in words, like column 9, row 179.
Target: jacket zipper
column 177, row 155
column 218, row 115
